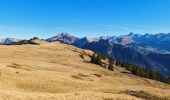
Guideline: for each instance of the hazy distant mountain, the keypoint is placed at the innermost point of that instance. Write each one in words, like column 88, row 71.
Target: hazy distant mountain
column 81, row 42
column 8, row 40
column 33, row 41
column 153, row 42
column 63, row 37
column 159, row 41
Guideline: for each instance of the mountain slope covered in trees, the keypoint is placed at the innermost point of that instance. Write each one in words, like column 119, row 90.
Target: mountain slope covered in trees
column 153, row 61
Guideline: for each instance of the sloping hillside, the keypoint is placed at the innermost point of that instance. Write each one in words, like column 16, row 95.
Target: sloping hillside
column 154, row 61
column 53, row 71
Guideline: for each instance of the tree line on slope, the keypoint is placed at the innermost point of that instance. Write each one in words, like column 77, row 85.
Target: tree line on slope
column 97, row 58
column 144, row 72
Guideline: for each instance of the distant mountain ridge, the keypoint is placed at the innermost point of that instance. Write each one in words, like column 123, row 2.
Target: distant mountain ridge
column 81, row 42
column 149, row 41
column 64, row 36
column 8, row 40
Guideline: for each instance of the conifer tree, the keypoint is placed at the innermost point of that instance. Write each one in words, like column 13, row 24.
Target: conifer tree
column 111, row 64
column 99, row 61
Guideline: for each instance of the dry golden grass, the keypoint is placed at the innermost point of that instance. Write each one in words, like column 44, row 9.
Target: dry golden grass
column 55, row 71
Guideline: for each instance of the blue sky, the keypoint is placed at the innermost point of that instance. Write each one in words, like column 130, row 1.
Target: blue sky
column 46, row 18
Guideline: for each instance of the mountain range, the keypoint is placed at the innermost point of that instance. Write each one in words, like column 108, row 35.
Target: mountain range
column 147, row 50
